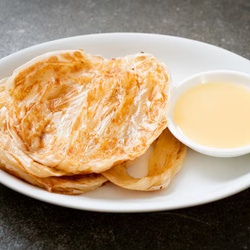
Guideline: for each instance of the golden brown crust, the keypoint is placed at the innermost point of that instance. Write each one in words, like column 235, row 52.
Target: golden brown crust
column 79, row 114
column 16, row 163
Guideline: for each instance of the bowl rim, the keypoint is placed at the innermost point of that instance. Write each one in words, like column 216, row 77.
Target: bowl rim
column 191, row 81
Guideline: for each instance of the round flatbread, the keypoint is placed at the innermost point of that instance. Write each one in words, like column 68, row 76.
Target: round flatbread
column 75, row 113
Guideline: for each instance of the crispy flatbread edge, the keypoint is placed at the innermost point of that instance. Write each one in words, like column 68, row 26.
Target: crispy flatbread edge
column 165, row 162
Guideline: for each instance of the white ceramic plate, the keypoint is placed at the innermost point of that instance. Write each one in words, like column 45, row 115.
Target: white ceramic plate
column 203, row 179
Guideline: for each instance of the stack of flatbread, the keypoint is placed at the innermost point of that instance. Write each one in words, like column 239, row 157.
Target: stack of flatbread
column 70, row 121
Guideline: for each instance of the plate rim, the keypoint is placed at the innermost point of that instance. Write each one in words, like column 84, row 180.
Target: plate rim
column 45, row 196
column 122, row 34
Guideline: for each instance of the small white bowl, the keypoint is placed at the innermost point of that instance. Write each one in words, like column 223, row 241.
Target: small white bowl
column 209, row 76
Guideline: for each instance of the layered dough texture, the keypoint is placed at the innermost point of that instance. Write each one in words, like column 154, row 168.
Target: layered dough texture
column 71, row 121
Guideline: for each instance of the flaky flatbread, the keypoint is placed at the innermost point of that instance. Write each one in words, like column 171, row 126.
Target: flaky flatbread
column 164, row 163
column 75, row 113
column 70, row 122
column 17, row 163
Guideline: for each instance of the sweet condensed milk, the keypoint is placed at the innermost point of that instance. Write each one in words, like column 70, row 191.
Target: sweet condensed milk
column 215, row 114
